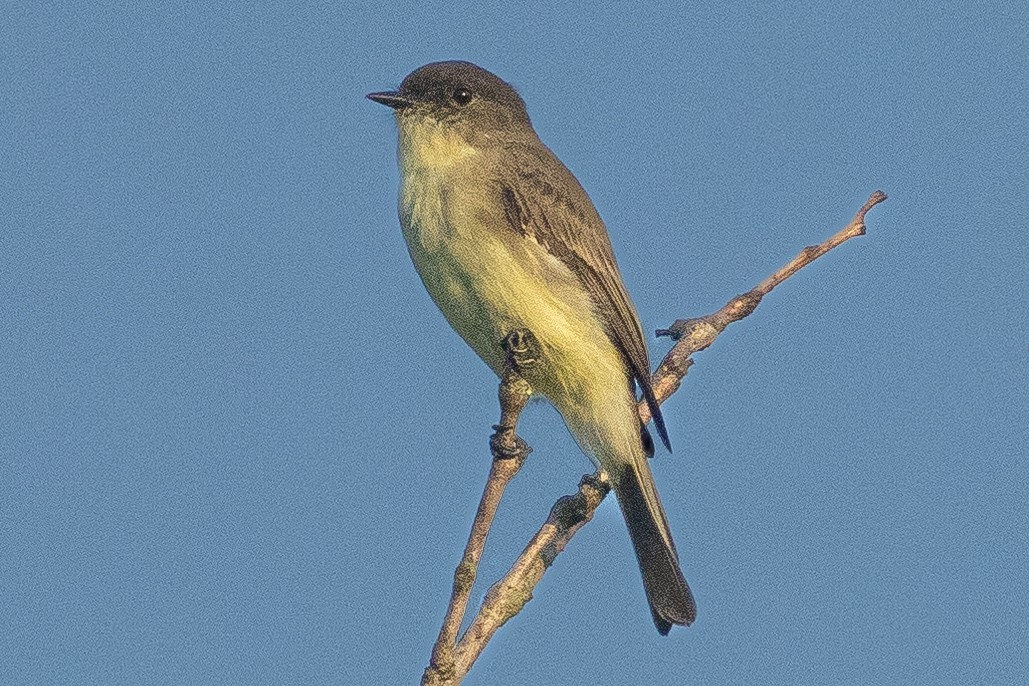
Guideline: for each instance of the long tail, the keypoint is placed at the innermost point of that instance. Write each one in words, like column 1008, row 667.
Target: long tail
column 671, row 601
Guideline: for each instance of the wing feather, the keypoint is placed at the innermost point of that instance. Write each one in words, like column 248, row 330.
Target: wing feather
column 547, row 204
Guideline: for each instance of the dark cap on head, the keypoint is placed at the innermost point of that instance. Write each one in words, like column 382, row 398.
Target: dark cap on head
column 454, row 87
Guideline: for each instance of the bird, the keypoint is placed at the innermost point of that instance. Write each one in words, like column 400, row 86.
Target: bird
column 505, row 238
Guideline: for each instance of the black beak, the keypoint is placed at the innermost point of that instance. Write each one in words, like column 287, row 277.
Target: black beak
column 390, row 99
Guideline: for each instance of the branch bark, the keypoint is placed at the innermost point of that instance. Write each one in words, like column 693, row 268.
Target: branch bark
column 453, row 658
column 509, row 454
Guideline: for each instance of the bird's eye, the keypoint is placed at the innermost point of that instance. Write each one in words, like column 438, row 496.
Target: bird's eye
column 462, row 96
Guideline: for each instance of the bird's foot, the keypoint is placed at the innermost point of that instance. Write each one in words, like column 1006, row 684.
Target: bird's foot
column 522, row 349
column 505, row 444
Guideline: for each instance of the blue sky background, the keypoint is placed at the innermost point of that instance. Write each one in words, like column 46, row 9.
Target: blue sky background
column 239, row 445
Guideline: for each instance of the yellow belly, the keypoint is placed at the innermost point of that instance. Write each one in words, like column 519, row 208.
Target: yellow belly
column 489, row 280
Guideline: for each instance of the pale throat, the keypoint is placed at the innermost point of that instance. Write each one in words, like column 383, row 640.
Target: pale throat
column 426, row 145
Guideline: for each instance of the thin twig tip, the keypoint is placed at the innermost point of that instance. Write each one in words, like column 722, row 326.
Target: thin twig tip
column 873, row 200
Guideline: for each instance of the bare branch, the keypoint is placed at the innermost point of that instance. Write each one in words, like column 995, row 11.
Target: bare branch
column 509, row 595
column 694, row 335
column 509, row 454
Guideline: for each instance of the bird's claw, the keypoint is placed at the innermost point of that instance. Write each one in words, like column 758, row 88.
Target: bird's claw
column 522, row 348
column 506, row 445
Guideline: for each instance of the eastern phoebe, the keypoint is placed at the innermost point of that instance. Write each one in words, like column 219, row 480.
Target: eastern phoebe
column 505, row 238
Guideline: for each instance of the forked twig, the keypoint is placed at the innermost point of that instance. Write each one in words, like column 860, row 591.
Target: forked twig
column 509, row 454
column 452, row 658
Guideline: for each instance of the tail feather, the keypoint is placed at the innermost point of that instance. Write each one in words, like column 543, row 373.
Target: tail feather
column 671, row 601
